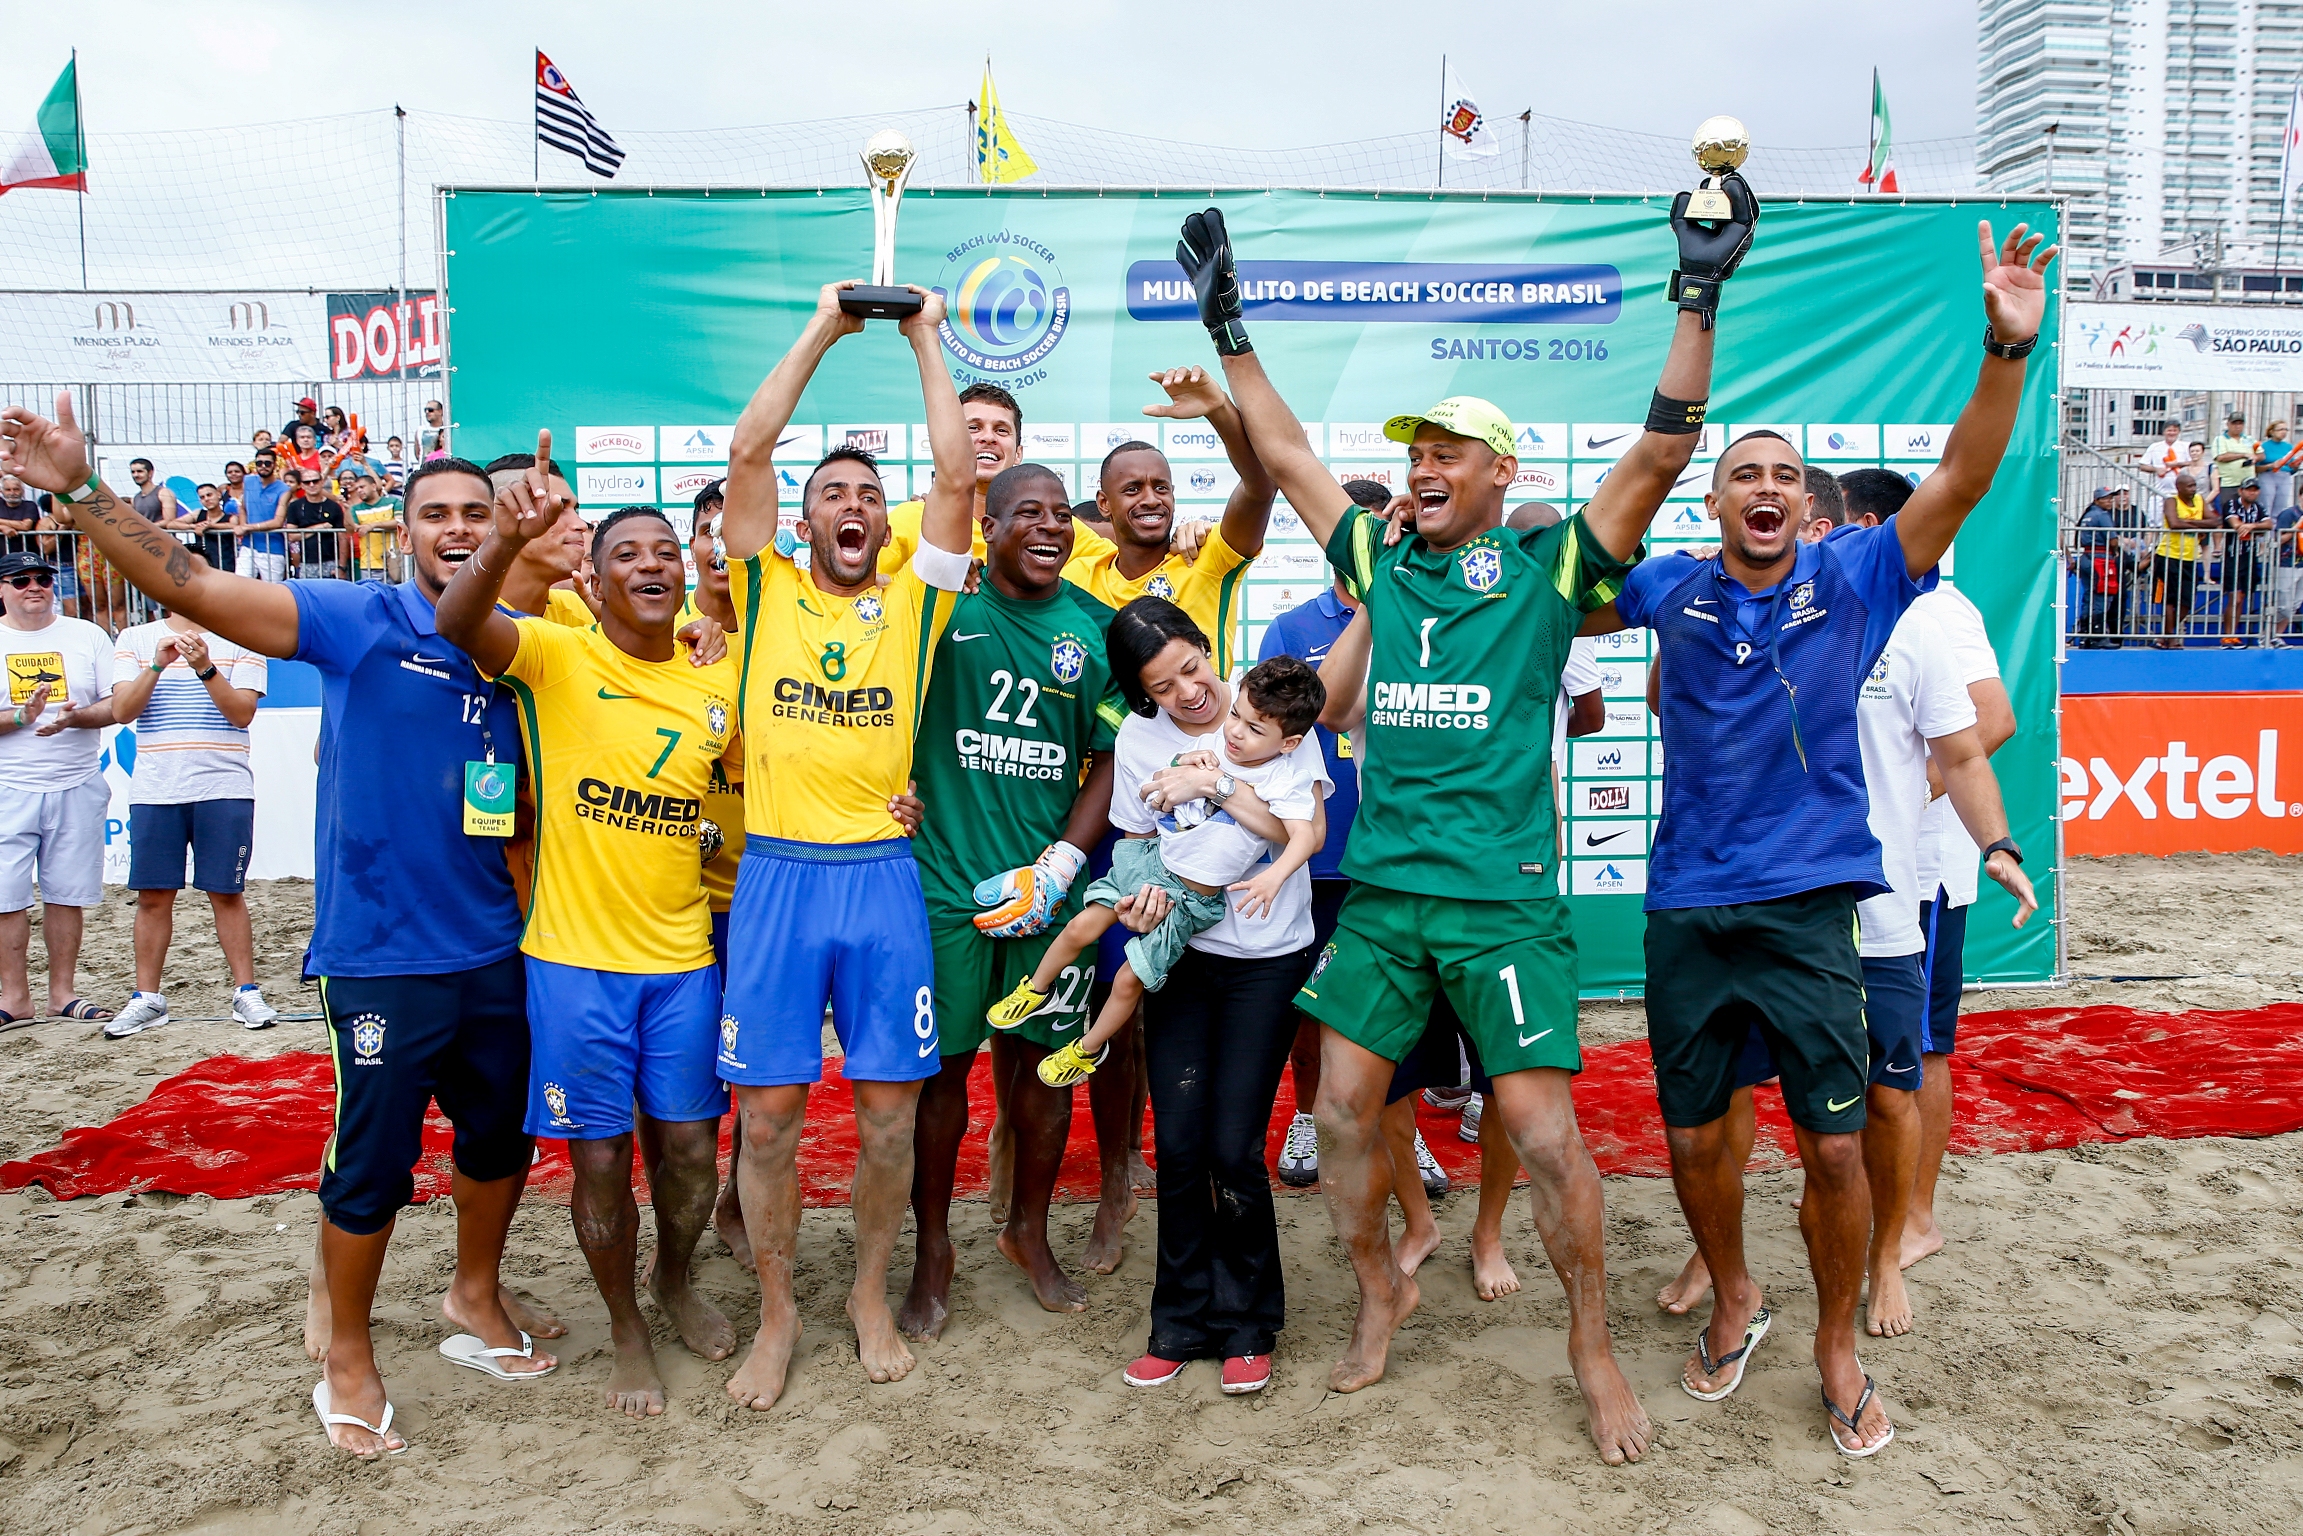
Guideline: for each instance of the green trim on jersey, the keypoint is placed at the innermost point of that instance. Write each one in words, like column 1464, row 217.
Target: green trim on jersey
column 525, row 698
column 751, row 633
column 1455, row 756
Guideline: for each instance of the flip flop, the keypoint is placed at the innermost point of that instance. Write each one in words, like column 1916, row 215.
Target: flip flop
column 85, row 1011
column 382, row 1429
column 9, row 1021
column 1753, row 1332
column 1870, row 1390
column 471, row 1350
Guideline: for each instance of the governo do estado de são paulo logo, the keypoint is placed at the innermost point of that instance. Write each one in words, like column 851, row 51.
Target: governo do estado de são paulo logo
column 1005, row 300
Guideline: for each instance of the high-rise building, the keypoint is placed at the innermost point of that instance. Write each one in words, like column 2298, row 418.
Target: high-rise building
column 2163, row 121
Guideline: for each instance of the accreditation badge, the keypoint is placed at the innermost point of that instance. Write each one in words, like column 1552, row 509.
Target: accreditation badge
column 488, row 798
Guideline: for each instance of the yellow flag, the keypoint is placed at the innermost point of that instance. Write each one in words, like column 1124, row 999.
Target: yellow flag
column 998, row 156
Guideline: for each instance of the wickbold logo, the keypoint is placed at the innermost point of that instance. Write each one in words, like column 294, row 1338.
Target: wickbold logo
column 615, row 444
column 1007, row 306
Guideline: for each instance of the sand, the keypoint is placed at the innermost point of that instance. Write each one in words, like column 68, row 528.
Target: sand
column 2113, row 1342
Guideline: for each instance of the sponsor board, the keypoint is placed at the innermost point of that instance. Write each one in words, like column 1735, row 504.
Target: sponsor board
column 1190, row 440
column 2181, row 346
column 1205, row 482
column 1684, row 522
column 882, row 440
column 601, row 488
column 1626, row 720
column 1538, row 482
column 1608, row 440
column 799, row 444
column 1622, row 643
column 2182, row 772
column 1623, row 679
column 1914, row 440
column 1266, row 601
column 1292, row 563
column 614, row 445
column 1608, row 839
column 1362, row 439
column 1098, row 438
column 378, row 335
column 697, row 445
column 1539, row 439
column 1591, row 759
column 1607, row 877
column 1392, row 477
column 1854, row 441
column 1042, row 440
column 689, row 483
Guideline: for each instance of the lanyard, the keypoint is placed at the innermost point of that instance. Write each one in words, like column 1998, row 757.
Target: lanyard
column 1743, row 648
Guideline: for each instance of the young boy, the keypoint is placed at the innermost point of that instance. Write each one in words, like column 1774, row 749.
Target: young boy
column 1199, row 853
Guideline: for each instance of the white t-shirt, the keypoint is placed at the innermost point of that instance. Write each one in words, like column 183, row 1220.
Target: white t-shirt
column 186, row 751
column 79, row 654
column 1948, row 857
column 1148, row 744
column 1579, row 677
column 2163, row 459
column 1912, row 696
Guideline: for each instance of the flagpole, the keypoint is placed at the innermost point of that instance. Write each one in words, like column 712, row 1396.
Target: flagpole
column 400, row 309
column 80, row 145
column 535, row 130
column 1442, row 121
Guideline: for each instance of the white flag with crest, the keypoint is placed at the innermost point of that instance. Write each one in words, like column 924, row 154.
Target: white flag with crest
column 1464, row 133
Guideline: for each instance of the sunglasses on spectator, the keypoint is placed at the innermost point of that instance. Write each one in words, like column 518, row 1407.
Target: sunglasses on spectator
column 32, row 579
column 309, row 482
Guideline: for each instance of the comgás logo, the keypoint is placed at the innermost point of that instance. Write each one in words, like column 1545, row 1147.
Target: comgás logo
column 1006, row 304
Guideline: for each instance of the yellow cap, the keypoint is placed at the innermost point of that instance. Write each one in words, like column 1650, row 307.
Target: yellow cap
column 1465, row 416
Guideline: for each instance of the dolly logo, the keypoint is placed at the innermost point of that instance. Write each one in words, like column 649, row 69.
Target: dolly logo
column 556, row 1100
column 1482, row 569
column 1160, row 586
column 868, row 608
column 1006, row 304
column 1069, row 660
column 368, row 1038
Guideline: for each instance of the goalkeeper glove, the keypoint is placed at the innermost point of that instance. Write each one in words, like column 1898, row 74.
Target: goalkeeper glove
column 1024, row 901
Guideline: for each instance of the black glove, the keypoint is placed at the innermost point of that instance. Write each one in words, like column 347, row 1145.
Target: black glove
column 1204, row 253
column 1710, row 251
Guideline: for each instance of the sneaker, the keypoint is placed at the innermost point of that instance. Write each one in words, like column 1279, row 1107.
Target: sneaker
column 1246, row 1373
column 1151, row 1371
column 1447, row 1098
column 1016, row 1007
column 1468, row 1128
column 1434, row 1177
column 249, row 1007
column 145, row 1010
column 1299, row 1158
column 1068, row 1064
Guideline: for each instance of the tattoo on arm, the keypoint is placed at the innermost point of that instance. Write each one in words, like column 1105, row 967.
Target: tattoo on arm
column 175, row 560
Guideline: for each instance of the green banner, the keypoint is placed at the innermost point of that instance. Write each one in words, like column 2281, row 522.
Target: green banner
column 635, row 325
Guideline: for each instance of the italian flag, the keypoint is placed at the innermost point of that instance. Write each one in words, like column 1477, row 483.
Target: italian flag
column 1879, row 174
column 50, row 155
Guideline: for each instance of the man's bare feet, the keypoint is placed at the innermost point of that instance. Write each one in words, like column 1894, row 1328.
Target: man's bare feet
column 1918, row 1245
column 533, row 1321
column 701, row 1326
column 1888, row 1313
column 928, row 1303
column 1415, row 1246
column 317, row 1329
column 1686, row 1293
column 728, row 1221
column 472, row 1320
column 1619, row 1426
column 878, row 1345
column 1492, row 1276
column 759, row 1381
column 1000, row 1150
column 364, row 1400
column 1054, row 1290
column 634, row 1387
column 1104, row 1247
column 1380, row 1315
column 1141, row 1179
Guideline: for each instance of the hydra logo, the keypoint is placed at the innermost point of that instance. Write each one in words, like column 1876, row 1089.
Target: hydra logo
column 1160, row 586
column 1007, row 306
column 868, row 608
column 368, row 1037
column 1069, row 660
column 1482, row 568
column 716, row 718
column 1803, row 594
column 556, row 1100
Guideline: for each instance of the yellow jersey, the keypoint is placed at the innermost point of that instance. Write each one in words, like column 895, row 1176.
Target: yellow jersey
column 562, row 606
column 2177, row 543
column 904, row 537
column 620, row 752
column 1206, row 588
column 830, row 698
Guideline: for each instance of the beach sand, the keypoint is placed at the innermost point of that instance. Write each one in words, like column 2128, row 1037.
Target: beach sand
column 2112, row 1343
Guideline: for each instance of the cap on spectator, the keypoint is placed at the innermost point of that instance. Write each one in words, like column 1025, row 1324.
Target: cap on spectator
column 2102, row 491
column 21, row 561
column 307, row 404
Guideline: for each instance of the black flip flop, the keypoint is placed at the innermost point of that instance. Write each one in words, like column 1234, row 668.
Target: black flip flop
column 9, row 1021
column 1870, row 1391
column 85, row 1011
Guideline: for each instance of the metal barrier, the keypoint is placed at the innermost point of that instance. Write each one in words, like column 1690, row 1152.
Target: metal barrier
column 2138, row 585
column 89, row 587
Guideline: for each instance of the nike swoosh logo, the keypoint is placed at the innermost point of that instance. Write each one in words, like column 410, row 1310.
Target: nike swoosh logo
column 984, row 635
column 607, row 695
column 1892, row 1067
column 1531, row 1039
column 1835, row 1106
column 1703, row 602
column 1601, row 442
column 1590, row 841
column 434, row 660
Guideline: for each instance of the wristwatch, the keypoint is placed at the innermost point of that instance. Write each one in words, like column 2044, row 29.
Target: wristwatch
column 2007, row 846
column 205, row 675
column 1224, row 786
column 2013, row 351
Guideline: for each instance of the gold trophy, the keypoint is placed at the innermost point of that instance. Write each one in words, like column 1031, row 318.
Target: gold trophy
column 888, row 162
column 1721, row 145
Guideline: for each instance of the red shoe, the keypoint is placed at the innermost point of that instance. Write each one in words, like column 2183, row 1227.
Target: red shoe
column 1151, row 1371
column 1246, row 1373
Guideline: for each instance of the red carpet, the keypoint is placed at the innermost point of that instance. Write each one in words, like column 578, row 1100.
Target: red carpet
column 2025, row 1081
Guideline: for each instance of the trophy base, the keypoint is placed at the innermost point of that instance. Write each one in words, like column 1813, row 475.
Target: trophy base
column 1708, row 202
column 877, row 302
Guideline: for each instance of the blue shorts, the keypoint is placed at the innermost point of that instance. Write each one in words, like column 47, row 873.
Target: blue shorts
column 1895, row 1017
column 602, row 1039
column 1438, row 1059
column 1755, row 1063
column 843, row 923
column 219, row 833
column 720, row 946
column 399, row 1043
column 1946, row 930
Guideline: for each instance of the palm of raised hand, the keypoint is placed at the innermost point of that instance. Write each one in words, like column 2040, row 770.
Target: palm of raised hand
column 1191, row 394
column 47, row 455
column 2015, row 281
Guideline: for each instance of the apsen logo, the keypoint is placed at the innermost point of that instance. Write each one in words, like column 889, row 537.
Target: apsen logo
column 1007, row 306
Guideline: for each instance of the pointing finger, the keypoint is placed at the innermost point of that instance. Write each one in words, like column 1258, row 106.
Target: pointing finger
column 1983, row 237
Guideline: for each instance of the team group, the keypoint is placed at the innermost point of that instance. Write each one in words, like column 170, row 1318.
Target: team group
column 587, row 863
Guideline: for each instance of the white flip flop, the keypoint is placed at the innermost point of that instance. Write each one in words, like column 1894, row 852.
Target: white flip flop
column 471, row 1350
column 382, row 1429
column 1854, row 1423
column 1753, row 1332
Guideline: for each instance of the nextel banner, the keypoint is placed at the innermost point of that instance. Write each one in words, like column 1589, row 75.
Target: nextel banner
column 1422, row 292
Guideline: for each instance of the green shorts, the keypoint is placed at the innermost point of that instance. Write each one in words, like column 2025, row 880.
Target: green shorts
column 1136, row 863
column 1788, row 967
column 973, row 972
column 1508, row 967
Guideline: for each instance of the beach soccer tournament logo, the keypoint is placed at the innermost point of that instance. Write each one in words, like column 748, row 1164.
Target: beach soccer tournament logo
column 1006, row 303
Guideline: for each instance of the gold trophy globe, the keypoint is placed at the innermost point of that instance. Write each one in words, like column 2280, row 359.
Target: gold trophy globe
column 888, row 162
column 1721, row 145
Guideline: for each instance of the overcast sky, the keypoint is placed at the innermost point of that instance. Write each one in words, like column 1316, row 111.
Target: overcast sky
column 1798, row 72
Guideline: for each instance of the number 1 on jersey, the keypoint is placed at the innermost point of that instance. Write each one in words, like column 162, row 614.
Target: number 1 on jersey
column 1425, row 632
column 1510, row 975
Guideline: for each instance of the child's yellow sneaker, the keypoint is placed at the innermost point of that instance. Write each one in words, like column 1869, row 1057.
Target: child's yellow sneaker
column 1017, row 1006
column 1066, row 1065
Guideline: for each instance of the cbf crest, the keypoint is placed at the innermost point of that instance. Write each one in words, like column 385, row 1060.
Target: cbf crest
column 1482, row 568
column 368, row 1038
column 716, row 717
column 1160, row 586
column 556, row 1100
column 869, row 608
column 1068, row 660
column 1802, row 595
column 728, row 1033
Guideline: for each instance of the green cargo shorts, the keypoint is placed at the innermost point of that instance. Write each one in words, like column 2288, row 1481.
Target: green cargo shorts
column 1136, row 863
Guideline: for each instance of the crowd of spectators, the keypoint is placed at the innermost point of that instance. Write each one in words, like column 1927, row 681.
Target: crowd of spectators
column 315, row 500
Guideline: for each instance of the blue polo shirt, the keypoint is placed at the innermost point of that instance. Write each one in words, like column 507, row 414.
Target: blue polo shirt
column 263, row 504
column 1305, row 632
column 402, row 889
column 1755, row 807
